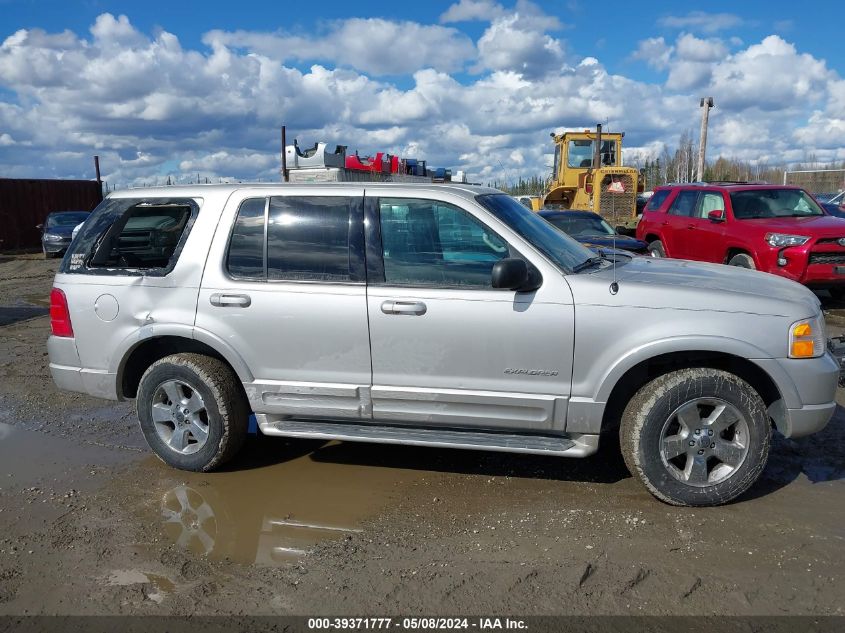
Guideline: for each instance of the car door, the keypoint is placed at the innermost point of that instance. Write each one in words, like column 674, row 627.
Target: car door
column 706, row 235
column 677, row 225
column 284, row 288
column 447, row 348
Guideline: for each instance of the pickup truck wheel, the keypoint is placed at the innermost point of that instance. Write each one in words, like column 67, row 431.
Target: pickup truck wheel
column 655, row 249
column 743, row 261
column 192, row 412
column 696, row 437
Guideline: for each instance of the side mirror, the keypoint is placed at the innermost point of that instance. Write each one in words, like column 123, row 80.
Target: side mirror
column 716, row 215
column 511, row 273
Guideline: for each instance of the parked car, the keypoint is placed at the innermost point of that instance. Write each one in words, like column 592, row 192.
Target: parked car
column 835, row 205
column 446, row 316
column 776, row 229
column 592, row 231
column 57, row 229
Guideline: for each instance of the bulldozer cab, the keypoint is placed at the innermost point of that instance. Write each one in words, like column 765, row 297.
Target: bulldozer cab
column 589, row 176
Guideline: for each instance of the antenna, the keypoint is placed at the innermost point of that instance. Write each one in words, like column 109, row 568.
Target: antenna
column 614, row 286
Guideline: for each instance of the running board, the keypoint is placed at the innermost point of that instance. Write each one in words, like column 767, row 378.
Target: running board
column 574, row 445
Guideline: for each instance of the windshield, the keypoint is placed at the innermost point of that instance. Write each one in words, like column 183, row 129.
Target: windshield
column 66, row 219
column 561, row 249
column 581, row 226
column 773, row 203
column 581, row 153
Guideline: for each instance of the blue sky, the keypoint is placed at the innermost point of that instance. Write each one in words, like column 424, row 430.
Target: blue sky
column 450, row 82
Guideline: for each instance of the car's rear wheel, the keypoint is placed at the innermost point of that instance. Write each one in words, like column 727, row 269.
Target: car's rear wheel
column 743, row 260
column 696, row 437
column 192, row 411
column 655, row 249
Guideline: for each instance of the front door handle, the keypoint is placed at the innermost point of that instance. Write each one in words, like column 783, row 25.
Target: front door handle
column 221, row 300
column 417, row 308
column 690, row 226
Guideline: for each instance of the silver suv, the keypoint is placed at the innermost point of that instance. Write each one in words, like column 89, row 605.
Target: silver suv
column 430, row 315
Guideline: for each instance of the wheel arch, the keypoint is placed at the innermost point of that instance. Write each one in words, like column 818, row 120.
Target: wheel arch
column 646, row 370
column 148, row 349
column 737, row 249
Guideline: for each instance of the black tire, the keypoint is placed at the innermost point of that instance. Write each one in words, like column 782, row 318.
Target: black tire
column 650, row 413
column 225, row 407
column 655, row 249
column 742, row 260
column 837, row 294
column 49, row 255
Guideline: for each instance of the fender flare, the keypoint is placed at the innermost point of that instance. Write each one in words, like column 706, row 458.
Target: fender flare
column 719, row 344
column 157, row 330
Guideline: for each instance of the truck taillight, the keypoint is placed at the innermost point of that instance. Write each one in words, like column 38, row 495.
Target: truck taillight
column 59, row 314
column 588, row 184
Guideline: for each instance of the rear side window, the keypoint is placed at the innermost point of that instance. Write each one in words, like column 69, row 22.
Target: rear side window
column 246, row 255
column 132, row 237
column 684, row 204
column 298, row 238
column 656, row 200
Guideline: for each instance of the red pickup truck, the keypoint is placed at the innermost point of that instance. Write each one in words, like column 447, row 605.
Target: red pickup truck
column 776, row 229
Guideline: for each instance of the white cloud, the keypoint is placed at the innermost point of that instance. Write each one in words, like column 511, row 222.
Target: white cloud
column 365, row 44
column 473, row 10
column 701, row 21
column 655, row 52
column 152, row 107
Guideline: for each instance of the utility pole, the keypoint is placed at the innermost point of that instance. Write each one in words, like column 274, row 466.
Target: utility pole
column 706, row 103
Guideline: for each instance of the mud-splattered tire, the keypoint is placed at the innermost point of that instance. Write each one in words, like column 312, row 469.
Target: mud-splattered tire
column 208, row 415
column 666, row 438
column 655, row 249
column 742, row 260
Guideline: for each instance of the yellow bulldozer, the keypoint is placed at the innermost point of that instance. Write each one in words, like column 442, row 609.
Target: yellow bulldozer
column 589, row 176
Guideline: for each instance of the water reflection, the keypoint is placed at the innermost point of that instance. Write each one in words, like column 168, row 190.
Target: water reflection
column 277, row 513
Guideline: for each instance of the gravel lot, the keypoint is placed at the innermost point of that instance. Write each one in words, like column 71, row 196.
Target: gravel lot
column 91, row 523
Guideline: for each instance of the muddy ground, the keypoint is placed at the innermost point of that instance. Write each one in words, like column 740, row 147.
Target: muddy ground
column 91, row 523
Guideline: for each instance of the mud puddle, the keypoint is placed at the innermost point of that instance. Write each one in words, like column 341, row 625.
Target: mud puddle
column 276, row 504
column 28, row 457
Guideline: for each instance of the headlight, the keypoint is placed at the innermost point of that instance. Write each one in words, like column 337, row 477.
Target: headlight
column 783, row 239
column 807, row 338
column 52, row 237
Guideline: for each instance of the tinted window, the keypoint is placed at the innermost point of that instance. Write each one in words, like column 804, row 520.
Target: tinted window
column 245, row 258
column 684, row 204
column 656, row 200
column 308, row 238
column 430, row 243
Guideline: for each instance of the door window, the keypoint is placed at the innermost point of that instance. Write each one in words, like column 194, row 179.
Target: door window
column 431, row 243
column 709, row 202
column 684, row 204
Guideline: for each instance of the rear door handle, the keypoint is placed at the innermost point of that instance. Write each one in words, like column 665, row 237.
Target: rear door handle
column 221, row 300
column 417, row 308
column 690, row 226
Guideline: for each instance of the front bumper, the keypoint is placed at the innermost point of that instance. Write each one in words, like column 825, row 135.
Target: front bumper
column 814, row 265
column 55, row 246
column 807, row 387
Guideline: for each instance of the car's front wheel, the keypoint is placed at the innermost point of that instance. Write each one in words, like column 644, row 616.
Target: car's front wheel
column 655, row 249
column 192, row 411
column 743, row 260
column 696, row 437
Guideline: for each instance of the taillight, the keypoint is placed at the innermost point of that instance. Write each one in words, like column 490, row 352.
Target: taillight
column 59, row 314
